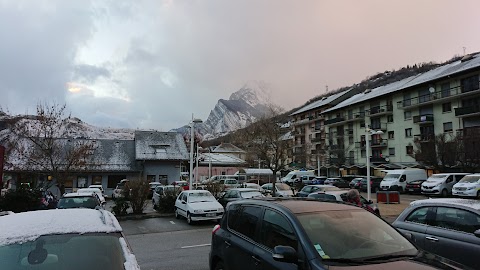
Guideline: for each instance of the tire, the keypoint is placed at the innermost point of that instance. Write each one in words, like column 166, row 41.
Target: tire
column 219, row 266
column 189, row 219
column 444, row 193
column 154, row 206
column 478, row 194
column 177, row 216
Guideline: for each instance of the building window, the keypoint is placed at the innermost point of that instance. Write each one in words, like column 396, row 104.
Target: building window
column 406, row 100
column 390, row 118
column 151, row 178
column 363, row 154
column 470, row 84
column 408, row 132
column 96, row 180
column 391, row 151
column 113, row 180
column 447, row 107
column 409, row 150
column 391, row 135
column 350, row 140
column 407, row 115
column 82, row 181
column 447, row 127
column 445, row 89
column 163, row 179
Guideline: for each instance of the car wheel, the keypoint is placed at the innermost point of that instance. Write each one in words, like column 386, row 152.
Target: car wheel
column 189, row 219
column 444, row 192
column 154, row 206
column 219, row 266
column 478, row 194
column 177, row 216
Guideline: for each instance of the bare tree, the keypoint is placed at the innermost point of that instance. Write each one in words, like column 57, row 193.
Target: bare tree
column 44, row 144
column 265, row 140
column 439, row 152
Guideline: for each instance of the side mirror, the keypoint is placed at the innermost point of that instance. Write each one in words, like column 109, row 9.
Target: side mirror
column 477, row 233
column 402, row 180
column 285, row 254
column 184, row 202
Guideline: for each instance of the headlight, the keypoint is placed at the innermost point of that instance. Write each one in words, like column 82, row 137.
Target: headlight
column 470, row 188
column 220, row 209
column 197, row 211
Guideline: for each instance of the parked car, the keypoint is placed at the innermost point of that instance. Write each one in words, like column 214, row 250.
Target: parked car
column 314, row 188
column 447, row 227
column 79, row 200
column 184, row 184
column 235, row 194
column 281, row 189
column 161, row 191
column 285, row 233
column 229, row 183
column 152, row 186
column 99, row 187
column 330, row 180
column 118, row 191
column 92, row 190
column 196, row 205
column 397, row 179
column 374, row 184
column 469, row 186
column 254, row 186
column 441, row 183
column 341, row 196
column 414, row 187
column 319, row 180
column 73, row 239
column 307, row 179
column 355, row 183
column 289, row 179
column 338, row 182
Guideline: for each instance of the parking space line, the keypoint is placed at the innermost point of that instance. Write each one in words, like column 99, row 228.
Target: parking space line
column 202, row 245
column 172, row 222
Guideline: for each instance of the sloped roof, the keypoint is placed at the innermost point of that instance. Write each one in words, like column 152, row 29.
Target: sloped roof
column 227, row 148
column 434, row 74
column 114, row 155
column 319, row 103
column 155, row 145
column 217, row 159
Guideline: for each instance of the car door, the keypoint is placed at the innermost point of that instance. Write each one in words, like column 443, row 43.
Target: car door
column 239, row 239
column 451, row 235
column 415, row 223
column 181, row 204
column 275, row 230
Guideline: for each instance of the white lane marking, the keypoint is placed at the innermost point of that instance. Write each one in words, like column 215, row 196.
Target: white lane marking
column 172, row 222
column 202, row 245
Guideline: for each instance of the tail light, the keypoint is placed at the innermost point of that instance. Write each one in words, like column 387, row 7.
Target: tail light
column 216, row 228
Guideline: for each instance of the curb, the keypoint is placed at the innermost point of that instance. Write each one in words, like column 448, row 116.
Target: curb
column 143, row 216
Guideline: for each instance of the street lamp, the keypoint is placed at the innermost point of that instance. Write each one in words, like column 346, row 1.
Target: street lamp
column 192, row 141
column 369, row 132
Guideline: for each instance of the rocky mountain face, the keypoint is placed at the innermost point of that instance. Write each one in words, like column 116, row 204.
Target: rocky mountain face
column 241, row 109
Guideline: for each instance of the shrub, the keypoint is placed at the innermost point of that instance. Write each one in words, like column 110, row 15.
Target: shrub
column 216, row 189
column 138, row 195
column 120, row 206
column 21, row 200
column 166, row 203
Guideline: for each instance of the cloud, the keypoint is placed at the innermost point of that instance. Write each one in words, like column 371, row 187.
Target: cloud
column 89, row 73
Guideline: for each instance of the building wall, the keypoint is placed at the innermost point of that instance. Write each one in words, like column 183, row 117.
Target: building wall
column 162, row 171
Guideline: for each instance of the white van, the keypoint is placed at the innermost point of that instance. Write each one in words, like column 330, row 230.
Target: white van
column 469, row 186
column 441, row 183
column 398, row 179
column 291, row 176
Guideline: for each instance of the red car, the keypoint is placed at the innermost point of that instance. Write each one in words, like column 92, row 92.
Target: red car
column 183, row 184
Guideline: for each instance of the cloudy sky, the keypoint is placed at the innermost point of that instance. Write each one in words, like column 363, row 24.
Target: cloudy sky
column 151, row 64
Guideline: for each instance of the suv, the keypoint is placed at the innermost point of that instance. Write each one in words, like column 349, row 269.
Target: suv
column 273, row 233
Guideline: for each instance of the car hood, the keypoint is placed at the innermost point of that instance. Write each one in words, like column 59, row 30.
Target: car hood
column 416, row 182
column 205, row 205
column 465, row 184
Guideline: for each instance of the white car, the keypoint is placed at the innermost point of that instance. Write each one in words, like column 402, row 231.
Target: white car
column 92, row 190
column 281, row 189
column 469, row 186
column 196, row 205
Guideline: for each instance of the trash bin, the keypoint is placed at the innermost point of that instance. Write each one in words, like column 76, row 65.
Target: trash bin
column 388, row 197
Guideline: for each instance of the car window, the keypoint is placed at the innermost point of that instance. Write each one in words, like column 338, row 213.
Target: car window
column 323, row 196
column 307, row 189
column 418, row 216
column 244, row 220
column 458, row 177
column 456, row 219
column 276, row 231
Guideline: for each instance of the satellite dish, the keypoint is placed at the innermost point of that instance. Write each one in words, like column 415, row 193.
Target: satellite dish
column 431, row 89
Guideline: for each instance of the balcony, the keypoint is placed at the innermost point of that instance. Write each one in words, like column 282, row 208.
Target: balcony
column 378, row 160
column 308, row 119
column 379, row 126
column 334, row 120
column 317, row 139
column 378, row 143
column 424, row 137
column 437, row 97
column 423, row 119
column 298, row 132
column 467, row 111
column 381, row 110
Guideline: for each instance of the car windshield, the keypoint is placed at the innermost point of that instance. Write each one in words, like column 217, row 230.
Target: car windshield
column 201, row 197
column 391, row 177
column 470, row 179
column 250, row 194
column 353, row 234
column 77, row 202
column 66, row 251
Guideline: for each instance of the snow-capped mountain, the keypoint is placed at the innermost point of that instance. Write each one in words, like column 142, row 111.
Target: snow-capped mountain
column 241, row 109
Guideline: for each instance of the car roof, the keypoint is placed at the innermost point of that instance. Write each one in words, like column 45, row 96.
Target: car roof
column 470, row 203
column 195, row 191
column 95, row 186
column 71, row 195
column 319, row 186
column 28, row 226
column 89, row 189
column 299, row 205
column 244, row 189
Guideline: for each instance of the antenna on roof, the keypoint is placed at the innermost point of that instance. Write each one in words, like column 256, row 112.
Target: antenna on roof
column 464, row 48
column 326, row 88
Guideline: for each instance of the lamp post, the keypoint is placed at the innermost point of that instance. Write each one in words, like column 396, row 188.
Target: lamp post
column 369, row 132
column 192, row 141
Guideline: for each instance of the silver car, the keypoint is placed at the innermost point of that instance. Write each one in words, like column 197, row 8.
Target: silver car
column 447, row 227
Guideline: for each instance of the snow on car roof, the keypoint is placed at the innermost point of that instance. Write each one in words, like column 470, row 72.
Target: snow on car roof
column 474, row 204
column 28, row 226
column 70, row 195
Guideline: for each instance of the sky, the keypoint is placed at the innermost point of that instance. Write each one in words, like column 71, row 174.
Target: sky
column 152, row 64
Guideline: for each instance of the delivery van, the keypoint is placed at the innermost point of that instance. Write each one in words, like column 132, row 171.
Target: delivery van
column 292, row 176
column 441, row 183
column 398, row 179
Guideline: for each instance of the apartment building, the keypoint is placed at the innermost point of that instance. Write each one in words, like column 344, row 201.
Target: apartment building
column 401, row 117
column 308, row 131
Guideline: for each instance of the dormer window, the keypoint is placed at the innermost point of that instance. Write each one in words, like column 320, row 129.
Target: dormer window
column 160, row 148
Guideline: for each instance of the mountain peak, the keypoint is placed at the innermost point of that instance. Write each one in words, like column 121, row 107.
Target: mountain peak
column 253, row 93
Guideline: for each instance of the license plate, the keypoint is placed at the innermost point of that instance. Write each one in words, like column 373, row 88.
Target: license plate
column 210, row 214
column 460, row 193
column 411, row 189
